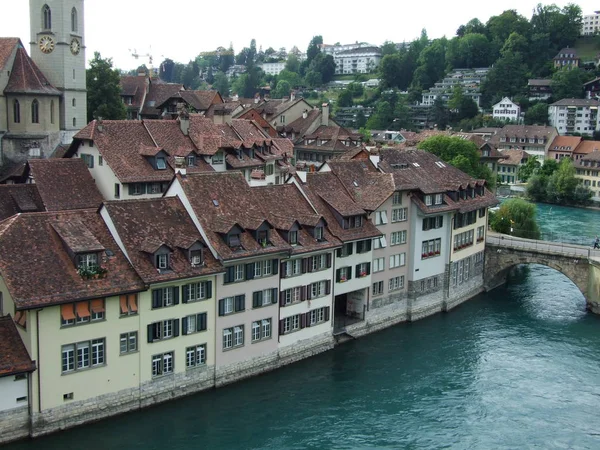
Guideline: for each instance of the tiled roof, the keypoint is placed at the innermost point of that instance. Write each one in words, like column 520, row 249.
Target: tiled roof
column 14, row 358
column 134, row 86
column 224, row 200
column 39, row 272
column 168, row 135
column 540, row 82
column 301, row 125
column 158, row 93
column 524, row 131
column 7, row 46
column 19, row 198
column 64, row 184
column 210, row 137
column 327, row 194
column 513, row 157
column 576, row 102
column 585, row 147
column 119, row 143
column 201, row 100
column 165, row 221
column 593, row 156
column 569, row 143
column 27, row 78
column 567, row 51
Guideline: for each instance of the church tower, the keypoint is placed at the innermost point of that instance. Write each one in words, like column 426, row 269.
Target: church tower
column 58, row 49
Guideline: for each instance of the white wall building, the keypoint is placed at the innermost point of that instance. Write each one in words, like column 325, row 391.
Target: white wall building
column 574, row 116
column 272, row 68
column 590, row 24
column 359, row 60
column 507, row 110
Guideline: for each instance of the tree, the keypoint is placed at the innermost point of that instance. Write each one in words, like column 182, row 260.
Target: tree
column 568, row 83
column 516, row 217
column 441, row 114
column 383, row 116
column 507, row 78
column 292, row 64
column 388, row 48
column 313, row 79
column 556, row 183
column 361, row 120
column 527, row 169
column 323, row 64
column 431, row 64
column 345, row 98
column 537, row 114
column 282, row 90
column 314, row 48
column 471, row 50
column 221, row 84
column 103, row 90
column 293, row 78
column 166, row 70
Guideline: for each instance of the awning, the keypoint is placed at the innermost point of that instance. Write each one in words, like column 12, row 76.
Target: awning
column 132, row 304
column 98, row 306
column 123, row 302
column 67, row 312
column 83, row 310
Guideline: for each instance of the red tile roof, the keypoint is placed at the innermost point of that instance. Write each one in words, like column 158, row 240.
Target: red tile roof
column 27, row 78
column 165, row 221
column 201, row 100
column 159, row 93
column 134, row 86
column 586, row 147
column 7, row 47
column 569, row 143
column 64, row 184
column 513, row 157
column 38, row 270
column 14, row 358
column 18, row 198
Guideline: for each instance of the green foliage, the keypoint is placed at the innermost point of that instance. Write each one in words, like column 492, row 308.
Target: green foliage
column 324, row 65
column 313, row 79
column 527, row 169
column 507, row 78
column 366, row 134
column 283, row 89
column 383, row 116
column 461, row 153
column 292, row 64
column 471, row 50
column 556, row 183
column 103, row 90
column 388, row 48
column 313, row 48
column 248, row 84
column 518, row 215
column 537, row 114
column 221, row 84
column 569, row 83
column 345, row 98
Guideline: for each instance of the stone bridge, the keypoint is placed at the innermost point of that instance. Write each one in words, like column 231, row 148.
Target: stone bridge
column 580, row 264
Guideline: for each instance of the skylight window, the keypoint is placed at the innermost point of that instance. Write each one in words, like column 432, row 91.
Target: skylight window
column 355, row 184
column 416, row 164
column 161, row 163
column 440, row 164
column 215, row 202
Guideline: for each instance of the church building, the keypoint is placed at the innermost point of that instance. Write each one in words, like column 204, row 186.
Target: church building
column 43, row 93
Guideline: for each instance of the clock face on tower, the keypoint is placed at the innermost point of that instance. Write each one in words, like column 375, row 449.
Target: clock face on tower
column 75, row 46
column 46, row 44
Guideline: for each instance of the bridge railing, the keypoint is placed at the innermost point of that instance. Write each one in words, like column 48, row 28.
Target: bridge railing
column 541, row 246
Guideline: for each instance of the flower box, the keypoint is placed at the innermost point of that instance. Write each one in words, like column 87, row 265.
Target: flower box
column 431, row 253
column 437, row 252
column 363, row 274
column 424, row 255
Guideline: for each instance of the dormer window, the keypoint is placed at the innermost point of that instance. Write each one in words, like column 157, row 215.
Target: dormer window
column 353, row 222
column 251, row 153
column 87, row 260
column 319, row 233
column 161, row 163
column 262, row 237
column 293, row 238
column 233, row 240
column 438, row 199
column 428, row 200
column 191, row 160
column 162, row 261
column 196, row 258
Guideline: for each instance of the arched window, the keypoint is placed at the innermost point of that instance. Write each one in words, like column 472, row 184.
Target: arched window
column 52, row 111
column 74, row 122
column 35, row 112
column 74, row 102
column 17, row 111
column 74, row 20
column 46, row 18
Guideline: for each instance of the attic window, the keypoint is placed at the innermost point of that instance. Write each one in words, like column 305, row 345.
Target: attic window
column 215, row 202
column 196, row 258
column 263, row 237
column 293, row 237
column 191, row 160
column 162, row 261
column 233, row 240
column 355, row 184
column 416, row 164
column 161, row 163
column 440, row 164
column 87, row 260
column 319, row 233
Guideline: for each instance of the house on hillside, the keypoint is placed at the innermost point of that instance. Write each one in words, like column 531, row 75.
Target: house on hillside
column 563, row 146
column 574, row 116
column 567, row 58
column 507, row 110
column 539, row 89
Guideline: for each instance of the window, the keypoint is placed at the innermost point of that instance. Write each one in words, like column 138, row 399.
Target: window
column 265, row 297
column 346, row 250
column 162, row 261
column 35, row 111
column 217, row 158
column 117, row 190
column 439, row 199
column 353, row 222
column 317, row 316
column 239, row 272
column 363, row 269
column 378, row 264
column 128, row 304
column 74, row 27
column 238, row 335
column 16, row 111
column 46, row 18
column 428, row 200
column 396, row 283
column 165, row 329
column 227, row 338
column 87, row 260
column 397, row 199
column 431, row 248
column 196, row 258
column 74, row 119
column 319, row 289
column 74, row 102
column 378, row 288
column 261, row 329
column 191, row 160
column 397, row 260
column 482, row 212
column 463, row 240
column 193, row 323
column 263, row 268
column 399, row 214
column 293, row 237
column 128, row 342
column 230, row 305
column 363, row 246
column 88, row 159
column 195, row 356
column 380, row 218
column 292, row 267
column 380, row 242
column 82, row 312
column 480, row 233
column 194, row 292
column 292, row 295
column 52, row 112
column 290, row 324
column 83, row 355
column 164, row 297
column 319, row 233
column 163, row 364
column 160, row 163
column 319, row 262
column 398, row 237
column 432, row 223
column 100, row 160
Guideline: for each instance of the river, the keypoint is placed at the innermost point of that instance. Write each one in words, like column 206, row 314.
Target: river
column 515, row 368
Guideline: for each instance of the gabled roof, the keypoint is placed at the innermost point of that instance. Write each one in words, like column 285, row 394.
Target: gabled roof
column 14, row 358
column 540, row 82
column 513, row 157
column 119, row 143
column 39, row 272
column 576, row 102
column 134, row 86
column 19, row 198
column 158, row 93
column 524, row 131
column 592, row 156
column 7, row 47
column 586, row 147
column 301, row 125
column 222, row 201
column 166, row 222
column 201, row 100
column 27, row 78
column 64, row 184
column 567, row 51
column 565, row 143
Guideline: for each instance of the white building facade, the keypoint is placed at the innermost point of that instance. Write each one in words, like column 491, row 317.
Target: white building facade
column 507, row 110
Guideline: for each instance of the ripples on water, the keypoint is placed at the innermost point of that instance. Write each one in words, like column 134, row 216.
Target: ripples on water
column 516, row 368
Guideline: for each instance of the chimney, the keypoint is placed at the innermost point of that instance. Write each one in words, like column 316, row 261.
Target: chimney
column 305, row 114
column 325, row 115
column 256, row 98
column 292, row 96
column 100, row 124
column 184, row 121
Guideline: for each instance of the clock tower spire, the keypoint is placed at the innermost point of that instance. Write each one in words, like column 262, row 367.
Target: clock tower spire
column 58, row 49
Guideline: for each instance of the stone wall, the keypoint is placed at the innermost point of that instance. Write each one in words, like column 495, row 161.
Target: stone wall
column 425, row 297
column 14, row 424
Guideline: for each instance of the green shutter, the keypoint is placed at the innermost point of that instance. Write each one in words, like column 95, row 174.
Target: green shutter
column 274, row 295
column 184, row 295
column 208, row 289
column 184, row 325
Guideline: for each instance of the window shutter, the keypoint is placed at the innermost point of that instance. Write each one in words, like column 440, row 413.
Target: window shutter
column 222, row 307
column 184, row 295
column 282, row 298
column 250, row 271
column 184, row 325
column 328, row 287
column 302, row 293
column 357, row 271
column 283, row 271
column 208, row 289
column 425, row 224
column 329, row 260
column 304, row 265
column 256, row 299
column 229, row 275
column 240, row 303
column 326, row 313
column 441, row 221
column 175, row 328
column 156, row 298
column 175, row 296
column 368, row 244
column 369, row 268
column 151, row 332
column 307, row 319
column 281, row 327
column 201, row 322
column 349, row 275
column 302, row 321
column 338, row 252
column 131, row 188
column 275, row 267
column 338, row 275
column 308, row 292
column 350, row 247
column 274, row 295
column 359, row 247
